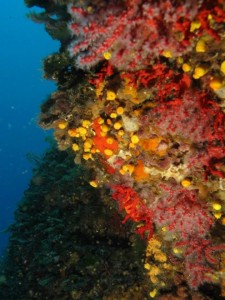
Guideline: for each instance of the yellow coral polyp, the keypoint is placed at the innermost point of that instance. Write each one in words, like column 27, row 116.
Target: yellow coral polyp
column 128, row 168
column 154, row 279
column 87, row 156
column 153, row 293
column 93, row 183
column 109, row 141
column 107, row 55
column 147, row 266
column 120, row 110
column 160, row 256
column 113, row 115
column 100, row 121
column 82, row 131
column 216, row 84
column 88, row 144
column 195, row 25
column 199, row 72
column 110, row 95
column 86, row 123
column 217, row 215
column 186, row 67
column 167, row 54
column 217, row 206
column 186, row 183
column 200, row 46
column 153, row 244
column 117, row 125
column 108, row 152
column 75, row 147
column 209, row 17
column 99, row 89
column 89, row 9
column 122, row 172
column 103, row 133
column 73, row 132
column 104, row 128
column 177, row 251
column 62, row 124
column 134, row 139
column 222, row 67
column 121, row 132
column 154, row 270
column 108, row 121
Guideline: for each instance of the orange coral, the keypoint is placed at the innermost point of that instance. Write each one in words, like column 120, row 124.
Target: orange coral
column 139, row 172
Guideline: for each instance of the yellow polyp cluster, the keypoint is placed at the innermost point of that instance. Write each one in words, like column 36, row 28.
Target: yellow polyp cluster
column 88, row 145
column 84, row 134
column 160, row 256
column 129, row 92
column 217, row 210
column 156, row 265
column 87, row 156
column 153, row 246
column 99, row 89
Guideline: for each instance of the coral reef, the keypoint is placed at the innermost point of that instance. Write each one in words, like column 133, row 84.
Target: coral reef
column 140, row 105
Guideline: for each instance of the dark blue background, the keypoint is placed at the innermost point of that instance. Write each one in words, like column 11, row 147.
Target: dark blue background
column 23, row 46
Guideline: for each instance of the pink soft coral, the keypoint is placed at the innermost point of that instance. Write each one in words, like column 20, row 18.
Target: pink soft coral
column 132, row 31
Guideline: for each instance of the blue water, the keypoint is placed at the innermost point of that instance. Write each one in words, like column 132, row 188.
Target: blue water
column 22, row 89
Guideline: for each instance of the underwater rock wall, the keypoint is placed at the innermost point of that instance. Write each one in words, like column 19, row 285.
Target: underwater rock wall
column 68, row 243
column 140, row 105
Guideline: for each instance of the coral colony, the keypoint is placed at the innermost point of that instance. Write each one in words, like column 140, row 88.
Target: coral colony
column 151, row 126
